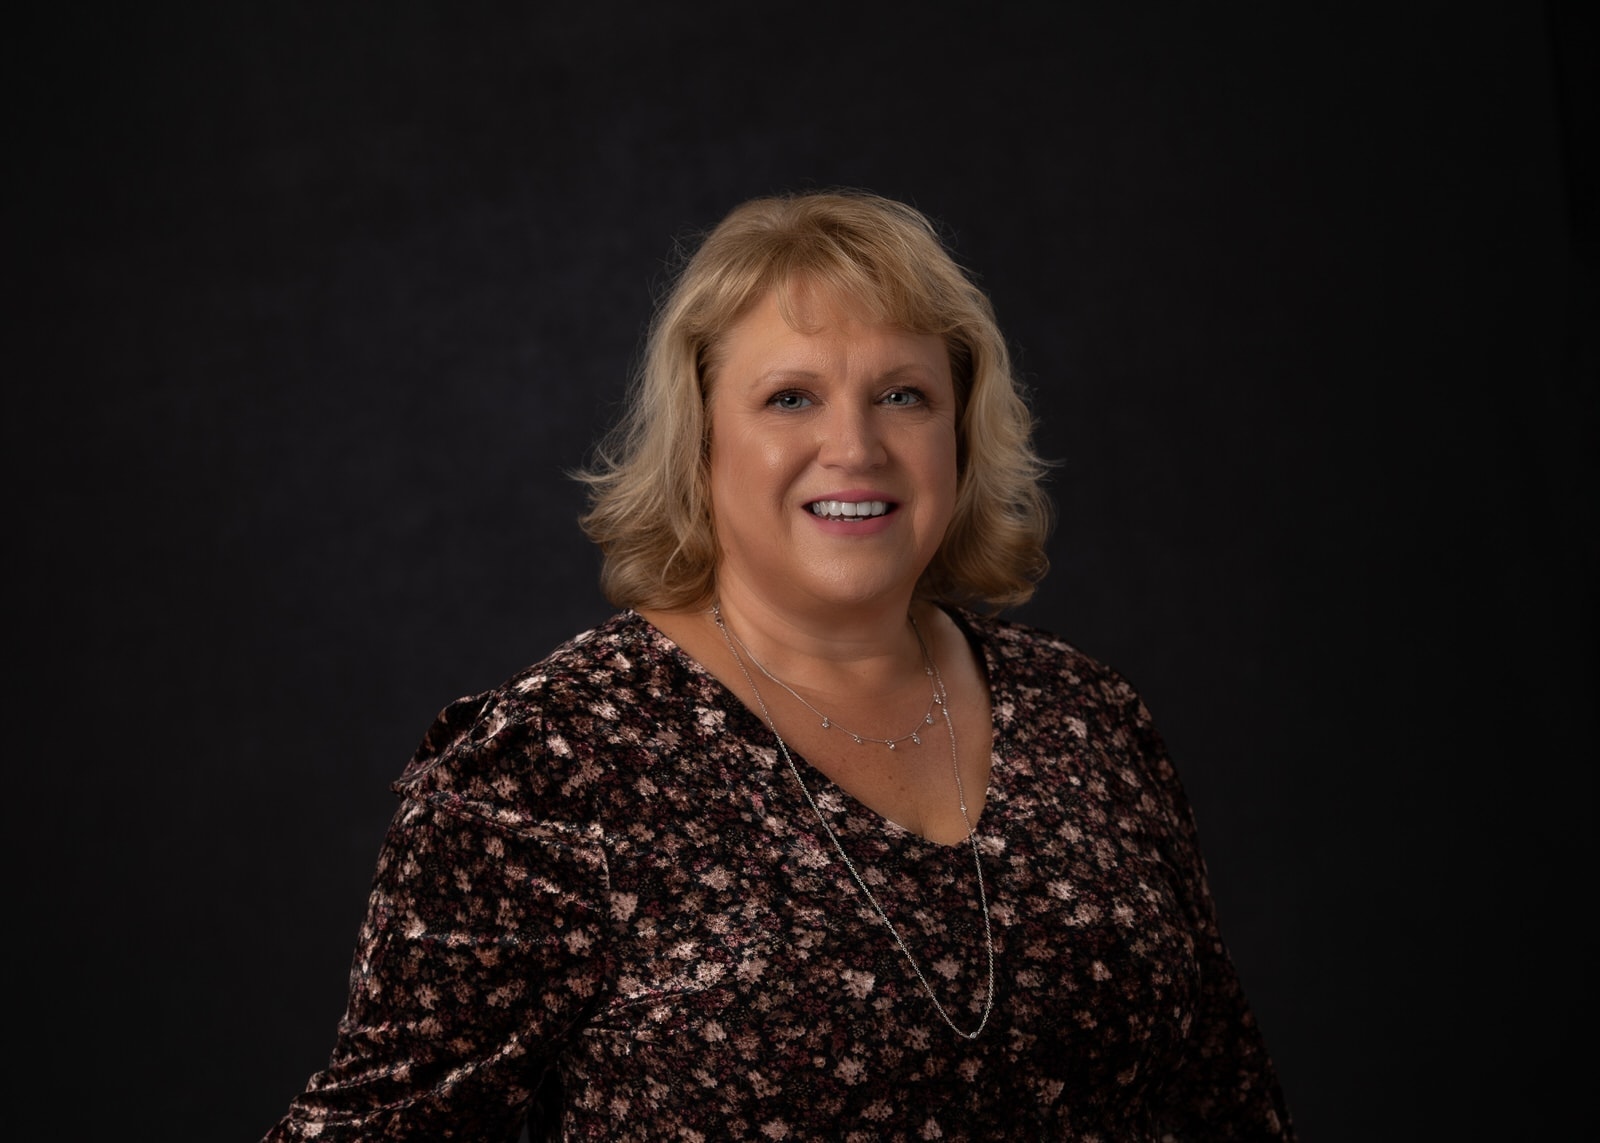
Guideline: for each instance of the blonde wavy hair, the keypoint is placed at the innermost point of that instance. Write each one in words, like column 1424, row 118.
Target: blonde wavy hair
column 649, row 489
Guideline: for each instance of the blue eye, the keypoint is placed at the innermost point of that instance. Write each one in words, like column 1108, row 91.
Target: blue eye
column 789, row 400
column 903, row 397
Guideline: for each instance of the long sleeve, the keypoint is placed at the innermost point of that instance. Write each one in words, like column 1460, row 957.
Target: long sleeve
column 483, row 946
column 1225, row 1088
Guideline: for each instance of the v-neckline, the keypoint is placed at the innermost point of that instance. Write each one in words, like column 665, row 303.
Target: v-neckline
column 818, row 783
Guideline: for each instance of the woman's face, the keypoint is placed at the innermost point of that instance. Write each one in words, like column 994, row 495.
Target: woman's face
column 833, row 456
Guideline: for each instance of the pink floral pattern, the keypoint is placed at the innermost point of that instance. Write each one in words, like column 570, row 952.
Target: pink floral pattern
column 603, row 902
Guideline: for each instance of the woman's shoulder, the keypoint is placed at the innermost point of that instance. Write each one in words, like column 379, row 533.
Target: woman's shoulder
column 623, row 657
column 1041, row 657
column 1048, row 692
column 1041, row 682
column 533, row 739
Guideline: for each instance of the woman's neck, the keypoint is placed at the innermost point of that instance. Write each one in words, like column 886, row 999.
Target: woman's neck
column 824, row 648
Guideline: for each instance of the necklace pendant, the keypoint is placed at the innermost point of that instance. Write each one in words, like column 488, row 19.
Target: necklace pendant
column 891, row 744
column 927, row 720
column 916, row 738
column 857, row 737
column 825, row 722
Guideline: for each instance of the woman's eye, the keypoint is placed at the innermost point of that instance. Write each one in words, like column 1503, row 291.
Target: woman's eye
column 902, row 397
column 789, row 401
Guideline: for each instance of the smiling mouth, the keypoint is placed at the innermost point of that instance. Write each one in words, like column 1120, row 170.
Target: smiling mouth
column 849, row 509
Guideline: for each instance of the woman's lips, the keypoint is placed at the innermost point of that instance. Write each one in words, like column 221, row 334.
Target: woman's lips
column 854, row 512
column 849, row 509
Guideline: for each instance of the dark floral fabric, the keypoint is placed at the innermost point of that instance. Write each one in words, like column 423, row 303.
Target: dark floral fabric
column 605, row 901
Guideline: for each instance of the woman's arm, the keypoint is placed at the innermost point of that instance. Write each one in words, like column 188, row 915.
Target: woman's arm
column 1225, row 1088
column 484, row 944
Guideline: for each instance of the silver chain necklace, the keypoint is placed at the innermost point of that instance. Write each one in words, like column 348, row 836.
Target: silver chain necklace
column 941, row 700
column 828, row 724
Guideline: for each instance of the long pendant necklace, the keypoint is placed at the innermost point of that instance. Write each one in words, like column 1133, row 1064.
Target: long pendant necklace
column 941, row 700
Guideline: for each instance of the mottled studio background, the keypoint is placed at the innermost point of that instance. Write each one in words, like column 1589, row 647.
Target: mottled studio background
column 312, row 306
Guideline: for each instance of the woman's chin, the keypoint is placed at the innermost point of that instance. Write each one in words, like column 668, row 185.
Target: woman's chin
column 850, row 590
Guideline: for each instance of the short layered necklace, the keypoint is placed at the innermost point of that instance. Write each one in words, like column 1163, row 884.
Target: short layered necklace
column 941, row 701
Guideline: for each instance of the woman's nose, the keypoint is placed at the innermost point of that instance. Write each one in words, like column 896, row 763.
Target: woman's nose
column 850, row 439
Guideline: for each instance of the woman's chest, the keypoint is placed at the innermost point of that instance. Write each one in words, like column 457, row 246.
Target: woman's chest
column 743, row 934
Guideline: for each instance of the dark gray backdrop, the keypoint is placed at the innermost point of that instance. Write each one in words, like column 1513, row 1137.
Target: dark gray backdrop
column 315, row 308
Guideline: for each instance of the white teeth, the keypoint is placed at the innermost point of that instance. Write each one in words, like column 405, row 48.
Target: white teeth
column 848, row 509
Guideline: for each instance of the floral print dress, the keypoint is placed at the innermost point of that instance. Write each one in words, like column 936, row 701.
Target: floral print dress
column 604, row 903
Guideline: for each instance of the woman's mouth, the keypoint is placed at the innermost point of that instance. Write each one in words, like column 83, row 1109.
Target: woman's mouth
column 848, row 509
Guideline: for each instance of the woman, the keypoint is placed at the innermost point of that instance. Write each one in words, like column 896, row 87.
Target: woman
column 796, row 847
